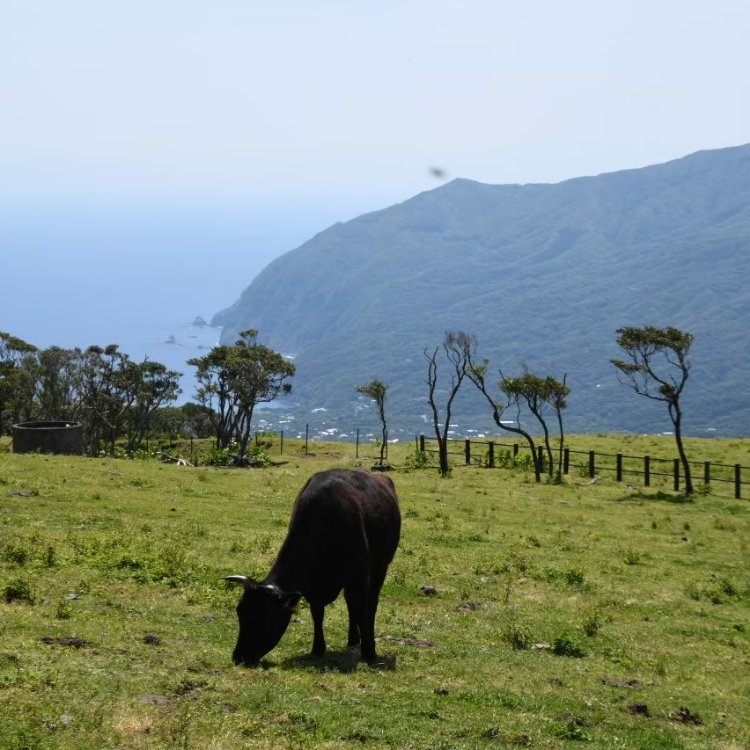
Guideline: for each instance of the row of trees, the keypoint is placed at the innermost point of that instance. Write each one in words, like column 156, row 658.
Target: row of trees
column 119, row 400
column 115, row 397
column 110, row 394
column 528, row 391
column 656, row 367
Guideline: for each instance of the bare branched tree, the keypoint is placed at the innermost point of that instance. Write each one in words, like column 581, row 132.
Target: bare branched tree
column 458, row 348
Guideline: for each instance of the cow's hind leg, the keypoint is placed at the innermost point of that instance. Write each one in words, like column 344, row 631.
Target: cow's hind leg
column 368, row 634
column 362, row 601
column 319, row 641
column 354, row 606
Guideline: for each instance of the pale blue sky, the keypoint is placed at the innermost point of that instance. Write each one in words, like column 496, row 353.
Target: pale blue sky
column 350, row 103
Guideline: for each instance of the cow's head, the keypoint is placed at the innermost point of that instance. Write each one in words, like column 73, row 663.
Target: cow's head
column 264, row 612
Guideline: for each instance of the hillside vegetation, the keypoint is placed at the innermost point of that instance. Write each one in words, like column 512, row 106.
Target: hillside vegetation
column 513, row 615
column 543, row 275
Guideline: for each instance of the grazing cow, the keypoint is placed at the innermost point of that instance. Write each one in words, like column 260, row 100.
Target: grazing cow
column 343, row 533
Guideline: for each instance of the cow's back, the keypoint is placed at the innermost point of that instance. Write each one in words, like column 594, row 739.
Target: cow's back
column 343, row 522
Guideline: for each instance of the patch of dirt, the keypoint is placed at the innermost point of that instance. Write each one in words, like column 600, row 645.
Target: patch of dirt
column 468, row 607
column 189, row 686
column 68, row 641
column 639, row 709
column 159, row 700
column 686, row 716
column 408, row 641
column 523, row 740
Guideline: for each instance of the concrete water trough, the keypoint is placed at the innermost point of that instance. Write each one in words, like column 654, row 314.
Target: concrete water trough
column 48, row 437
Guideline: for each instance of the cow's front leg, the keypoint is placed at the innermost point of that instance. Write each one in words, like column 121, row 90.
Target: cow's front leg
column 319, row 642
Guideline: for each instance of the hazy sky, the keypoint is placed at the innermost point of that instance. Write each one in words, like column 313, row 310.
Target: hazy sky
column 353, row 102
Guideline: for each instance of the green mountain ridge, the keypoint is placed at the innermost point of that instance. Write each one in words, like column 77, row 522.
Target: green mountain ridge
column 542, row 274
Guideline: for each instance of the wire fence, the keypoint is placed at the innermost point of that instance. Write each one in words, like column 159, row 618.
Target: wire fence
column 646, row 470
column 273, row 442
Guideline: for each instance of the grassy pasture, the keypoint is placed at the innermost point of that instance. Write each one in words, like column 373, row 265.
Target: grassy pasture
column 562, row 616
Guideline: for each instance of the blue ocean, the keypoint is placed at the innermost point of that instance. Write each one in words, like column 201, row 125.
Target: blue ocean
column 139, row 278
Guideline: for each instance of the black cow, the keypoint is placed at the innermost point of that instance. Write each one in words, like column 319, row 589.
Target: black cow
column 343, row 533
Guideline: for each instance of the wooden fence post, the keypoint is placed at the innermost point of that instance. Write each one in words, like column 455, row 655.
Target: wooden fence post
column 706, row 472
column 647, row 471
column 356, row 451
column 592, row 464
column 281, row 444
column 566, row 460
column 619, row 467
column 540, row 458
column 515, row 449
column 467, row 451
column 421, row 443
column 737, row 483
column 491, row 455
column 676, row 474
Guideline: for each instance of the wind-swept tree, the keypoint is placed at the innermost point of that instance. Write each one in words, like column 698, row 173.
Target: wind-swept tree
column 477, row 373
column 537, row 393
column 233, row 380
column 557, row 398
column 377, row 391
column 657, row 368
column 458, row 348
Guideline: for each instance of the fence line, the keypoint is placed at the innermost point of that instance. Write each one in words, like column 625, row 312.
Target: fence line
column 645, row 466
column 265, row 439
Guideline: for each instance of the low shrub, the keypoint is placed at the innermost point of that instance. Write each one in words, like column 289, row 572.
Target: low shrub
column 18, row 590
column 567, row 645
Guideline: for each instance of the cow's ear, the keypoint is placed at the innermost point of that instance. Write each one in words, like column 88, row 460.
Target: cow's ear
column 291, row 599
column 272, row 589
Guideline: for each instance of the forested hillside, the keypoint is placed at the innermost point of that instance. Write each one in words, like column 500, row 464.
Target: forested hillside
column 543, row 275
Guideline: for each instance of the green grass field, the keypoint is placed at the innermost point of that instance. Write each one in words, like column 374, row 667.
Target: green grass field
column 562, row 615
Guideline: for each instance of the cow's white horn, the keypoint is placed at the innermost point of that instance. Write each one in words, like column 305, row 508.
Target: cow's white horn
column 237, row 579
